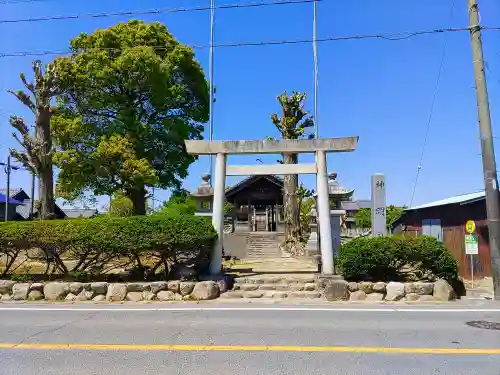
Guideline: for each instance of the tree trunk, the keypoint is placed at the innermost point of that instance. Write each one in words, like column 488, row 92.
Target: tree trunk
column 290, row 186
column 138, row 198
column 45, row 173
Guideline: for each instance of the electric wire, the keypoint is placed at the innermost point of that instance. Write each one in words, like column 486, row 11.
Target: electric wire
column 433, row 102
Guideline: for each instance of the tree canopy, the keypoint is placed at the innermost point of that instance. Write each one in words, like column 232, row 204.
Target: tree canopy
column 130, row 95
column 364, row 217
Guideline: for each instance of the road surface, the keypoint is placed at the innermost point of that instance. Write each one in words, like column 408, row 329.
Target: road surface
column 253, row 340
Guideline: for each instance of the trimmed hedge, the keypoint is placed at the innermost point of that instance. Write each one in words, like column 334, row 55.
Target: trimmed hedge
column 95, row 245
column 393, row 258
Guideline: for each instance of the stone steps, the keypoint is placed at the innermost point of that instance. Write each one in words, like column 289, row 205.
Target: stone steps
column 273, row 288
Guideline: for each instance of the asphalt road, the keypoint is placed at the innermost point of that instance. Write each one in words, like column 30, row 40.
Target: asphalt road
column 232, row 339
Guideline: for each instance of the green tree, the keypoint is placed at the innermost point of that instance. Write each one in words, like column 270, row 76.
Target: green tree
column 292, row 124
column 130, row 95
column 120, row 205
column 364, row 216
column 305, row 202
column 37, row 152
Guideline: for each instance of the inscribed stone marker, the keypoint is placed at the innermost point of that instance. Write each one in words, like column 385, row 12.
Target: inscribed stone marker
column 378, row 205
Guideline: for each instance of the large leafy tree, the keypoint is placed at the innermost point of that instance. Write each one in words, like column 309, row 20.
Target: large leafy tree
column 292, row 124
column 131, row 95
column 36, row 154
column 364, row 218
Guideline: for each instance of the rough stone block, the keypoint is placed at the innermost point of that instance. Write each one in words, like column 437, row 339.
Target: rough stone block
column 443, row 291
column 336, row 290
column 116, row 292
column 75, row 288
column 353, row 286
column 267, row 287
column 253, row 294
column 99, row 298
column 205, row 290
column 409, row 288
column 55, row 291
column 379, row 287
column 35, row 295
column 82, row 296
column 411, row 297
column 158, row 286
column 134, row 296
column 174, row 286
column 166, row 295
column 6, row 286
column 374, row 297
column 358, row 295
column 240, row 280
column 426, row 298
column 366, row 287
column 312, row 294
column 138, row 287
column 309, row 287
column 99, row 287
column 232, row 294
column 6, row 297
column 70, row 297
column 395, row 291
column 186, row 287
column 248, row 287
column 36, row 286
column 282, row 287
column 148, row 295
column 296, row 294
column 297, row 287
column 424, row 288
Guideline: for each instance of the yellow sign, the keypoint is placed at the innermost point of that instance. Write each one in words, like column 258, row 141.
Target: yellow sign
column 470, row 226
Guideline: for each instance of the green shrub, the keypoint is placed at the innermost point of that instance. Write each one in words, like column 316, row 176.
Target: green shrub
column 96, row 245
column 393, row 258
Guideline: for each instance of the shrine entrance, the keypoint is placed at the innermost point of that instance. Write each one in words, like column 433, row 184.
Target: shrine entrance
column 257, row 203
column 258, row 212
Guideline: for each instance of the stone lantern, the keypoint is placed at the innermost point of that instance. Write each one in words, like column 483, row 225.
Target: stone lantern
column 312, row 247
column 204, row 196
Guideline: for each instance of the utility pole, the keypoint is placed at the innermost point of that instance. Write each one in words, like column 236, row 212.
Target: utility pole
column 487, row 150
column 32, row 203
column 7, row 195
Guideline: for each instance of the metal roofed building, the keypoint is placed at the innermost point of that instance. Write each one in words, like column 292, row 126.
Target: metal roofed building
column 445, row 219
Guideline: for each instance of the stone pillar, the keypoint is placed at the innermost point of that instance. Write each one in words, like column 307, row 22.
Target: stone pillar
column 218, row 212
column 336, row 217
column 312, row 243
column 325, row 232
column 379, row 226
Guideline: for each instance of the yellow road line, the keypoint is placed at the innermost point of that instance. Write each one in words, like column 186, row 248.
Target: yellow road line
column 253, row 348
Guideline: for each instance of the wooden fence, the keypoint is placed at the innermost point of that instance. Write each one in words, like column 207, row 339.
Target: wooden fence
column 453, row 238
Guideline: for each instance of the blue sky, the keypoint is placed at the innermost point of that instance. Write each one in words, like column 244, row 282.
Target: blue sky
column 378, row 90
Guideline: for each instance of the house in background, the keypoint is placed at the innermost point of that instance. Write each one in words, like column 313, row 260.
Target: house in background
column 11, row 207
column 445, row 220
column 22, row 211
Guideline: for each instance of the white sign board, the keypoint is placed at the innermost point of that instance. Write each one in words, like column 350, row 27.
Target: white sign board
column 471, row 244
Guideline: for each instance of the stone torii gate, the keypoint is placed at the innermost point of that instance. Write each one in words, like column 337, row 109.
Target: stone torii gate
column 296, row 146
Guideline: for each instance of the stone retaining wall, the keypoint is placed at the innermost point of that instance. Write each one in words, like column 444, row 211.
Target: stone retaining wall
column 440, row 290
column 111, row 292
column 207, row 290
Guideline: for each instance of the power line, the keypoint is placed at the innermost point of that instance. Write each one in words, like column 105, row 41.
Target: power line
column 489, row 70
column 433, row 102
column 157, row 11
column 394, row 36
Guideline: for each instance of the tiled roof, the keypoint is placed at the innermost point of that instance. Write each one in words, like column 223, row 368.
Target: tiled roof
column 80, row 212
column 12, row 192
column 4, row 199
